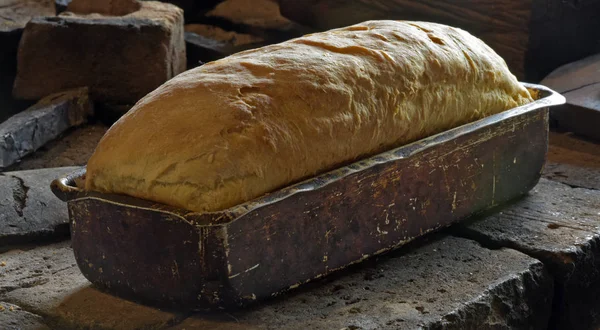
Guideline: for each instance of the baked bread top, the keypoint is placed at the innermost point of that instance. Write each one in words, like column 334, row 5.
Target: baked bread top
column 237, row 128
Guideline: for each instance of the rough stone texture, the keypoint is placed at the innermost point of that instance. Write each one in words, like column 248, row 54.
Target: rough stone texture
column 219, row 34
column 263, row 14
column 47, row 282
column 27, row 131
column 573, row 161
column 448, row 283
column 579, row 83
column 28, row 209
column 193, row 8
column 74, row 148
column 560, row 226
column 109, row 8
column 12, row 317
column 125, row 57
column 201, row 50
column 14, row 14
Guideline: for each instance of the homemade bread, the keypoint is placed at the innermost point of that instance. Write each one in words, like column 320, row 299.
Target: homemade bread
column 235, row 129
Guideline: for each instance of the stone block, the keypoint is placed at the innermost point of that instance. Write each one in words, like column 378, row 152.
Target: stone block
column 28, row 209
column 205, row 43
column 27, row 131
column 120, row 58
column 560, row 226
column 14, row 14
column 578, row 82
column 47, row 282
column 573, row 161
column 73, row 148
column 450, row 283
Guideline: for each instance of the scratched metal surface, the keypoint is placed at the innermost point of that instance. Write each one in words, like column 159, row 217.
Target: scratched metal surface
column 262, row 248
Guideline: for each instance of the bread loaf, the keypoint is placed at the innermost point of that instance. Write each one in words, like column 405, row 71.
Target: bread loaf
column 235, row 129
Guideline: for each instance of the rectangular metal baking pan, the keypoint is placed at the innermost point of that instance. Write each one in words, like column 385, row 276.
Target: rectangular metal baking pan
column 167, row 256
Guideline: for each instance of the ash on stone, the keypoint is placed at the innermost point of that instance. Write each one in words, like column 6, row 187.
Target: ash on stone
column 29, row 130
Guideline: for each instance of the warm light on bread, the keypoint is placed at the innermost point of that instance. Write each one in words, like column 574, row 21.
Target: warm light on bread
column 235, row 129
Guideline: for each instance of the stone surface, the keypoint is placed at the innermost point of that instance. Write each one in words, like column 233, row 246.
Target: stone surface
column 573, row 161
column 219, row 34
column 448, row 283
column 14, row 14
column 126, row 56
column 194, row 8
column 74, row 148
column 108, row 8
column 27, row 131
column 201, row 50
column 12, row 317
column 264, row 14
column 61, row 5
column 579, row 82
column 560, row 226
column 47, row 282
column 28, row 208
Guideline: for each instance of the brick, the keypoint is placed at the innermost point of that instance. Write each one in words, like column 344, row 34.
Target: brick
column 578, row 82
column 27, row 131
column 73, row 148
column 125, row 56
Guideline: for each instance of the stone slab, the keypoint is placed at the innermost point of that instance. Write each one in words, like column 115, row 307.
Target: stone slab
column 126, row 56
column 12, row 317
column 61, row 5
column 200, row 49
column 447, row 283
column 46, row 281
column 573, row 161
column 560, row 226
column 27, row 131
column 579, row 82
column 216, row 33
column 14, row 14
column 28, row 209
column 73, row 148
column 107, row 8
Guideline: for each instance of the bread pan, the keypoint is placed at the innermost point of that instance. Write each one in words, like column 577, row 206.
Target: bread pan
column 173, row 257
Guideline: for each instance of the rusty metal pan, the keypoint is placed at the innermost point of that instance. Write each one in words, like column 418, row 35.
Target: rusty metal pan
column 172, row 257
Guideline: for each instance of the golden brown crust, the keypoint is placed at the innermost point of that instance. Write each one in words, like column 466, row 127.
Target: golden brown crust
column 234, row 129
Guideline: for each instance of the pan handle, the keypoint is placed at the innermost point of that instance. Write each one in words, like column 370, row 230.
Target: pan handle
column 65, row 188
